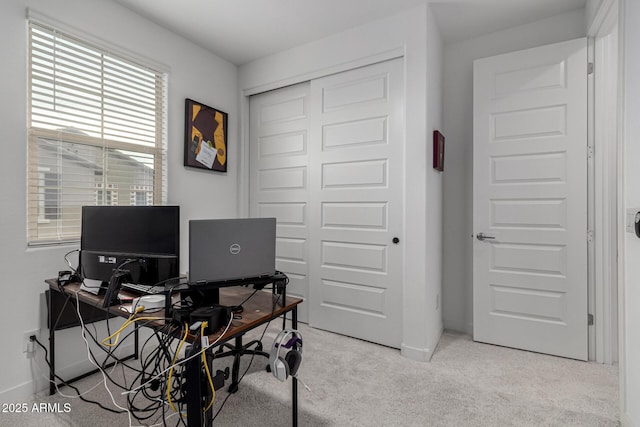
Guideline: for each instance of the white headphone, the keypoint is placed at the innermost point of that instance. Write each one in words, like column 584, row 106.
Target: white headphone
column 283, row 367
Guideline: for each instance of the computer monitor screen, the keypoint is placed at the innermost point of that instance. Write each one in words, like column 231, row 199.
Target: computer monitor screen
column 142, row 240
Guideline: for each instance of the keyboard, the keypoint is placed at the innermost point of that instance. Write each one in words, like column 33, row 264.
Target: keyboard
column 142, row 289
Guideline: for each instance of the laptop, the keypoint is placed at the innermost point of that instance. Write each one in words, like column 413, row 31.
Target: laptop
column 231, row 249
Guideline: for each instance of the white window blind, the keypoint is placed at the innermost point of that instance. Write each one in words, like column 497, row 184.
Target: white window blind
column 96, row 131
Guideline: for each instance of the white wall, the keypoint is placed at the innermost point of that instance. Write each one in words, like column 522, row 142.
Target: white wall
column 194, row 73
column 590, row 10
column 630, row 414
column 458, row 130
column 434, row 196
column 404, row 34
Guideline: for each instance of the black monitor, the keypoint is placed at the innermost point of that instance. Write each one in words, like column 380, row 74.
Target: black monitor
column 142, row 241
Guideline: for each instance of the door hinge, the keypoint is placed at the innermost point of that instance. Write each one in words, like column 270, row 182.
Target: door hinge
column 589, row 319
column 590, row 236
column 590, row 67
column 589, row 151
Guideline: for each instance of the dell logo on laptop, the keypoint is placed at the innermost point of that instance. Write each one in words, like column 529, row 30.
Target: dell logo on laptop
column 234, row 249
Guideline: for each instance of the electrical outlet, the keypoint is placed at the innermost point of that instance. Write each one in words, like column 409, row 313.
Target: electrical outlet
column 28, row 346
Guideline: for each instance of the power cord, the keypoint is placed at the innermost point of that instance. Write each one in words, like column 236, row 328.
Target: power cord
column 162, row 353
column 148, row 411
column 46, row 359
column 66, row 258
column 154, row 403
column 110, row 352
column 91, row 359
column 185, row 360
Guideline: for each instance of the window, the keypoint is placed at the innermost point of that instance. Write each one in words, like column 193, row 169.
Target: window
column 108, row 197
column 48, row 199
column 51, row 187
column 97, row 133
column 141, row 195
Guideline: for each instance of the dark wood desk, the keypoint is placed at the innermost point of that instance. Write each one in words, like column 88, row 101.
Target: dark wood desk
column 260, row 309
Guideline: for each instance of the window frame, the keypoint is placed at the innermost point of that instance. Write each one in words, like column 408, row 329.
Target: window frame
column 36, row 217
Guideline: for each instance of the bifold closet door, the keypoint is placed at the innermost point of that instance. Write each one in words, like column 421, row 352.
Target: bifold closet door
column 327, row 162
column 279, row 144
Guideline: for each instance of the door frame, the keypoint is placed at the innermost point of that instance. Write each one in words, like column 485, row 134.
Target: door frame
column 604, row 191
column 604, row 265
column 611, row 13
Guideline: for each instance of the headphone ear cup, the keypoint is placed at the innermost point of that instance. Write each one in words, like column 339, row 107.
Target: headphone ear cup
column 293, row 358
column 285, row 366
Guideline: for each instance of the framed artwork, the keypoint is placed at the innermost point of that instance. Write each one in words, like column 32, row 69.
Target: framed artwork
column 205, row 140
column 438, row 151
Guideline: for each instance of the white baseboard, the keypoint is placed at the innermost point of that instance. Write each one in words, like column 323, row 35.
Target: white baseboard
column 39, row 382
column 21, row 393
column 422, row 354
column 418, row 354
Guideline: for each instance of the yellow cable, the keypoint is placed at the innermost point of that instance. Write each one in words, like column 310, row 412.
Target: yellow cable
column 206, row 368
column 175, row 358
column 122, row 328
column 126, row 323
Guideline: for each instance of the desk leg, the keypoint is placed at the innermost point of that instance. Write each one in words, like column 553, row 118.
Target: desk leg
column 194, row 392
column 52, row 346
column 284, row 303
column 235, row 371
column 294, row 382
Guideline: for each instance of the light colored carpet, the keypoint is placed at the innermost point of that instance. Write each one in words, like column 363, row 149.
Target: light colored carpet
column 356, row 383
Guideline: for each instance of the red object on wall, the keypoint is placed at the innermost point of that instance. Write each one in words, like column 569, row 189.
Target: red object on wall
column 438, row 151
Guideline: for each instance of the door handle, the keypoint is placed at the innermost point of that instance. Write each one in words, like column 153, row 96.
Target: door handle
column 482, row 236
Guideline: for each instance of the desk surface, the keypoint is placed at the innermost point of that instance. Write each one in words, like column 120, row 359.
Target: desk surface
column 257, row 310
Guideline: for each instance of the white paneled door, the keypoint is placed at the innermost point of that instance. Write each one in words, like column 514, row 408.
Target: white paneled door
column 337, row 193
column 530, row 200
column 356, row 182
column 279, row 157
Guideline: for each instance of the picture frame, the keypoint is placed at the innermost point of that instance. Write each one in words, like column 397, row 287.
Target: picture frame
column 438, row 151
column 205, row 141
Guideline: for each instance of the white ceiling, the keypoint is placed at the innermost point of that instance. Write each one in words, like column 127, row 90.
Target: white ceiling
column 243, row 30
